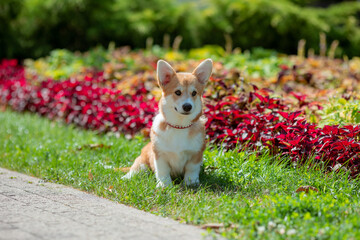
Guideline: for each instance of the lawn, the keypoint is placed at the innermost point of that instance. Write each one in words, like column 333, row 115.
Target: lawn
column 247, row 194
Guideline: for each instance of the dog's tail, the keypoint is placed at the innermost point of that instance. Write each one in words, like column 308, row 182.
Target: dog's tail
column 123, row 169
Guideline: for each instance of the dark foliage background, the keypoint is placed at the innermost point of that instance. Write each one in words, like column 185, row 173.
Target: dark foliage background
column 31, row 28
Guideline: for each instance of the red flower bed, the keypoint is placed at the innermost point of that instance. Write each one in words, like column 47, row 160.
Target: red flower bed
column 267, row 125
column 80, row 102
column 254, row 120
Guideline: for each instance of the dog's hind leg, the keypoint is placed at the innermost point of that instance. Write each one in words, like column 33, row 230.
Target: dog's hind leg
column 137, row 167
column 143, row 162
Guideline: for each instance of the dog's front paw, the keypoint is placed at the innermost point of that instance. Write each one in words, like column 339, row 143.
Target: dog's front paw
column 192, row 182
column 164, row 183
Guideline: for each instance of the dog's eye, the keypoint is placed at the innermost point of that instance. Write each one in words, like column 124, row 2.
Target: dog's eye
column 178, row 92
column 193, row 93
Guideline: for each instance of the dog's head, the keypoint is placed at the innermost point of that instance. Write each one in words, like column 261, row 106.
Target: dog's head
column 182, row 92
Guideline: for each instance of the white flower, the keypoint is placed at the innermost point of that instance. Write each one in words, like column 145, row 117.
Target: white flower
column 291, row 232
column 282, row 229
column 261, row 229
column 271, row 225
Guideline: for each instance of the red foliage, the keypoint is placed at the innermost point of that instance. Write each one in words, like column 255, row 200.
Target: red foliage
column 268, row 125
column 80, row 102
column 254, row 120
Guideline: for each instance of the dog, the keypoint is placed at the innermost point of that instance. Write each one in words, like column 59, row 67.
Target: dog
column 178, row 131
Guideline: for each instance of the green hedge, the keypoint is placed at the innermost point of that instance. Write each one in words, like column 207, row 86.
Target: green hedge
column 9, row 11
column 42, row 25
column 31, row 28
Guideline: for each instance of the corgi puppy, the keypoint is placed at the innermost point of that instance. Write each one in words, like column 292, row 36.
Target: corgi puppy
column 178, row 131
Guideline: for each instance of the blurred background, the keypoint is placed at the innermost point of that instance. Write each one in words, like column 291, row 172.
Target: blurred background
column 32, row 28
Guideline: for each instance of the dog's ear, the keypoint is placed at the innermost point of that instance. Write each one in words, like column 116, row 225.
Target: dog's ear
column 203, row 71
column 164, row 73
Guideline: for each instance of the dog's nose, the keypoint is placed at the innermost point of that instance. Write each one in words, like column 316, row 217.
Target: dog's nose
column 187, row 107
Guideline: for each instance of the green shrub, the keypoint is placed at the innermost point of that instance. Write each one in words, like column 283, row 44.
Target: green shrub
column 270, row 24
column 343, row 21
column 73, row 24
column 62, row 64
column 44, row 25
column 281, row 24
column 9, row 11
column 32, row 28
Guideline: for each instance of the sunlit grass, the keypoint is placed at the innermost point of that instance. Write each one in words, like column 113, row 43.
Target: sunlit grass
column 253, row 196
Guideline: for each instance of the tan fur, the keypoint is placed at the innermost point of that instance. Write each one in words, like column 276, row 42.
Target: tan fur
column 197, row 158
column 153, row 132
column 163, row 126
column 197, row 128
column 146, row 157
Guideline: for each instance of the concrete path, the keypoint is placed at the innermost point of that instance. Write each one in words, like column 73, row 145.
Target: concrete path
column 32, row 209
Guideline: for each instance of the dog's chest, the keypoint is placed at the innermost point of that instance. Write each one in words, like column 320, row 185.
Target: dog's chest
column 179, row 141
column 178, row 147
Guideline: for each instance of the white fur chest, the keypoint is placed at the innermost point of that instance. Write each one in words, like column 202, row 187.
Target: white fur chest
column 178, row 140
column 177, row 144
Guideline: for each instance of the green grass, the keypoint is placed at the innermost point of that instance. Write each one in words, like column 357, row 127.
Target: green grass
column 254, row 197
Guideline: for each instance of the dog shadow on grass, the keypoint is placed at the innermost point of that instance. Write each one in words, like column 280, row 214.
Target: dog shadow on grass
column 209, row 181
column 212, row 182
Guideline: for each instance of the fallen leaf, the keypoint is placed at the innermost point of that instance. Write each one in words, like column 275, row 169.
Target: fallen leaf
column 93, row 146
column 306, row 189
column 212, row 225
column 91, row 176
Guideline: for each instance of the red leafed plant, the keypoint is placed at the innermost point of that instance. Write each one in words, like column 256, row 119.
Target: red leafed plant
column 80, row 102
column 253, row 120
column 265, row 124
